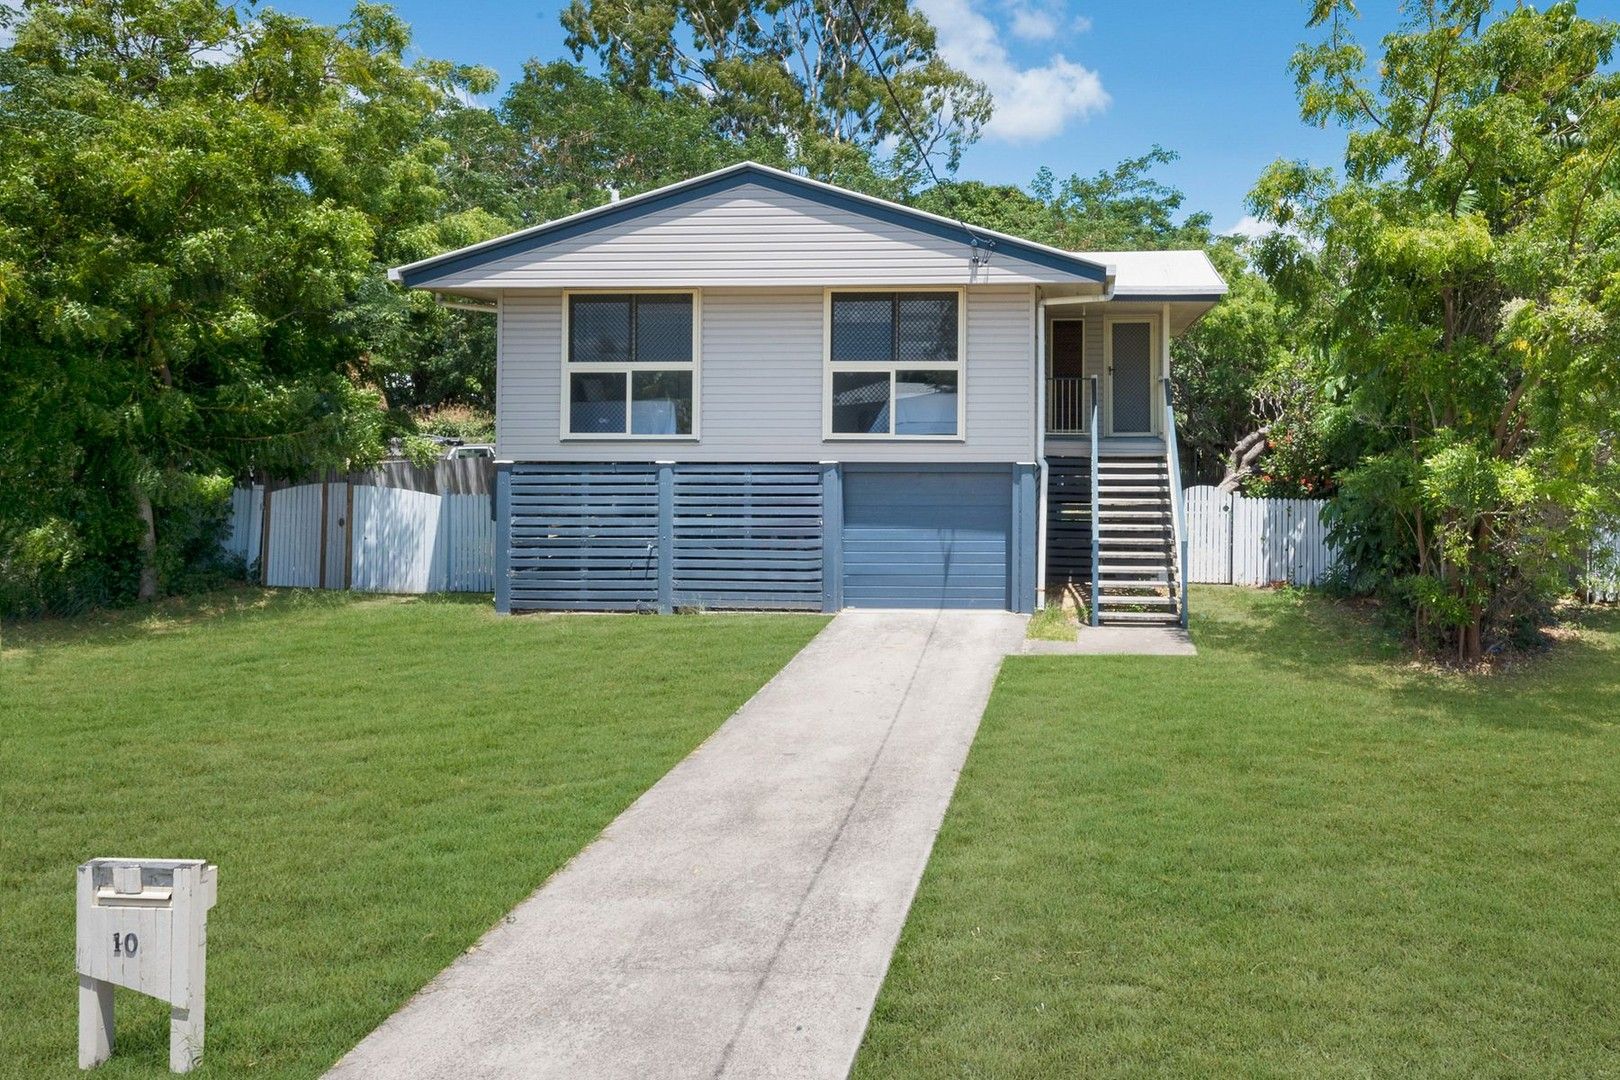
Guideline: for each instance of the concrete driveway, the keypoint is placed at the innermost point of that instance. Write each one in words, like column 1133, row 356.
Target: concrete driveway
column 737, row 920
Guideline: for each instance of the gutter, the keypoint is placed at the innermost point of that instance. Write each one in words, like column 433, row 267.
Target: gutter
column 1040, row 418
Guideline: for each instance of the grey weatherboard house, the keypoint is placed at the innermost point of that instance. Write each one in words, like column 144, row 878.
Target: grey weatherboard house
column 750, row 389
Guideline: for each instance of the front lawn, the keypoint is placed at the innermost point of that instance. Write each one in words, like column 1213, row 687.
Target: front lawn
column 379, row 780
column 1292, row 855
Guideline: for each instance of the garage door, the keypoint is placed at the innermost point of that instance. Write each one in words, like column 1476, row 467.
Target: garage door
column 921, row 538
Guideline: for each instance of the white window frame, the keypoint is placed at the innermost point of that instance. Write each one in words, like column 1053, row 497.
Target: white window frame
column 1155, row 383
column 828, row 367
column 628, row 368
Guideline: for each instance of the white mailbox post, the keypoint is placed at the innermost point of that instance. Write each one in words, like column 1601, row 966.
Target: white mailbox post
column 143, row 924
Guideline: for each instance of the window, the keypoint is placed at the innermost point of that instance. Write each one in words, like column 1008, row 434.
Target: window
column 895, row 360
column 630, row 367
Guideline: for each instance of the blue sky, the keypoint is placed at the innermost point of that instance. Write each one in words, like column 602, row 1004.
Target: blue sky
column 1078, row 85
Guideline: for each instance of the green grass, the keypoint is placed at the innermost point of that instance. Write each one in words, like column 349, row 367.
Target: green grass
column 379, row 780
column 1294, row 855
column 1052, row 623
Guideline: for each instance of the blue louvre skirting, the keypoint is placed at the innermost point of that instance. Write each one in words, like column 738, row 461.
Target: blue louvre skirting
column 649, row 537
column 1068, row 520
column 583, row 537
column 747, row 536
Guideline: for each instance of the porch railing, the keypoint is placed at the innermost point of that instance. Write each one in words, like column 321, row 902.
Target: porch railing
column 1067, row 406
column 1096, row 510
column 1178, row 498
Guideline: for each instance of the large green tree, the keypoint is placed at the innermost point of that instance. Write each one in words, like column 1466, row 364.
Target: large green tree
column 799, row 71
column 1125, row 207
column 577, row 138
column 1462, row 279
column 192, row 208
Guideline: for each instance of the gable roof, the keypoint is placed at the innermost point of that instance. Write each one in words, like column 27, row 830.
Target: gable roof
column 425, row 272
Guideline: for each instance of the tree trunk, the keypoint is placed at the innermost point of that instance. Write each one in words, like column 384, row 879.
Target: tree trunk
column 149, row 575
column 1240, row 462
column 1473, row 650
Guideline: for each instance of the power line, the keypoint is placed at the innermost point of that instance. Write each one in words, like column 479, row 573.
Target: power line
column 905, row 124
column 905, row 121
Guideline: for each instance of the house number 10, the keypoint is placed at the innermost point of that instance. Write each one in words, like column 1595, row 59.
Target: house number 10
column 127, row 942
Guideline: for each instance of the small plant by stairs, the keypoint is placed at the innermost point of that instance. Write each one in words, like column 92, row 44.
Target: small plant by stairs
column 1137, row 573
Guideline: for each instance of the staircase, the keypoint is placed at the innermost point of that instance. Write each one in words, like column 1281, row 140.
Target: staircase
column 1136, row 550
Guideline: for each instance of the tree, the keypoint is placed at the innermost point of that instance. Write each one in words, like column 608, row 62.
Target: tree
column 1463, row 282
column 577, row 138
column 1117, row 209
column 798, row 71
column 191, row 208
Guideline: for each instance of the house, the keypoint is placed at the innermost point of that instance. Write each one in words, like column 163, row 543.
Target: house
column 750, row 389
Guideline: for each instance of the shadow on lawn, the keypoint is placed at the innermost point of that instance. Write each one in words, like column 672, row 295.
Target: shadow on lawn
column 1574, row 688
column 246, row 603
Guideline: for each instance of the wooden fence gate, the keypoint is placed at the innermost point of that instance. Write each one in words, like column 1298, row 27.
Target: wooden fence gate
column 1236, row 540
column 353, row 534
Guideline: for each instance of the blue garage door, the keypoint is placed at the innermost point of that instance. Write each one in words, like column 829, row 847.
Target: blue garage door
column 922, row 538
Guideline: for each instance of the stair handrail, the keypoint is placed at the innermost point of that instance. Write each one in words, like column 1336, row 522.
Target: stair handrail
column 1096, row 504
column 1178, row 510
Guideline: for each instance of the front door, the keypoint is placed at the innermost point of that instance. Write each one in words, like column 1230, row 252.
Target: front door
column 1130, row 378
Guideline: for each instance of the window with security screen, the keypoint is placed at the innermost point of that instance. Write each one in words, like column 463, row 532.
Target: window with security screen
column 895, row 365
column 630, row 365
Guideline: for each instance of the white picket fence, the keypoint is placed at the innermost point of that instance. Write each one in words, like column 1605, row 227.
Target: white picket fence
column 1236, row 540
column 375, row 539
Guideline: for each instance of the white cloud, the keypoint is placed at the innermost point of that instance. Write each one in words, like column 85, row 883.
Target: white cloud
column 1250, row 227
column 1032, row 103
column 1033, row 23
column 1043, row 20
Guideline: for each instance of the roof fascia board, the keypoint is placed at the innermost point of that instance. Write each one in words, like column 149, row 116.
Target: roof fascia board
column 1163, row 297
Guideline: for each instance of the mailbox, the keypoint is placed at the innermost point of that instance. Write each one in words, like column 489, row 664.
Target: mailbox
column 143, row 924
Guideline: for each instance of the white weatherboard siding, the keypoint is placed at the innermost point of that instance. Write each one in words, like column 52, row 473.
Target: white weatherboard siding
column 761, row 394
column 751, row 235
